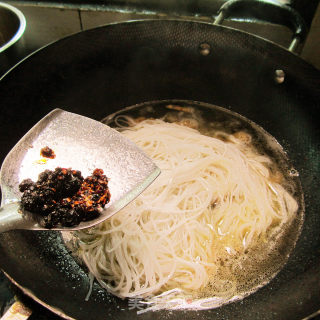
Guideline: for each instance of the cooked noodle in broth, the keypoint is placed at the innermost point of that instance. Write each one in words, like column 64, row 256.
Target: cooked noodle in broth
column 195, row 232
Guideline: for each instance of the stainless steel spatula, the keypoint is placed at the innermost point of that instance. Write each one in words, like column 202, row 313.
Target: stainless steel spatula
column 79, row 143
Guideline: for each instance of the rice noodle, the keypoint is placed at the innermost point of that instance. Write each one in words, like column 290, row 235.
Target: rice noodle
column 212, row 198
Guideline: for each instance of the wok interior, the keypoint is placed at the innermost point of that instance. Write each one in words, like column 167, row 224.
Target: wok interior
column 158, row 60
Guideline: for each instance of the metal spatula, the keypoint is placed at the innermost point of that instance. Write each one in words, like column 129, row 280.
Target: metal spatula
column 79, row 143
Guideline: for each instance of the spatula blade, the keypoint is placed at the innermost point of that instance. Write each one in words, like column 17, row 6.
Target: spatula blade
column 82, row 144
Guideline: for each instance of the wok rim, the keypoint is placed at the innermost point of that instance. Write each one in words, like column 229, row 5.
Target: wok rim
column 28, row 293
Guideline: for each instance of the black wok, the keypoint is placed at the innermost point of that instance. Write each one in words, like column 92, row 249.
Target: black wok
column 97, row 72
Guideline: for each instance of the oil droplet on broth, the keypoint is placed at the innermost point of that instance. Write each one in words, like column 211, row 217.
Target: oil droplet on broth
column 293, row 172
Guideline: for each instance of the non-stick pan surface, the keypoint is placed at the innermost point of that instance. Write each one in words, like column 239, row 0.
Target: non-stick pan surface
column 99, row 71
